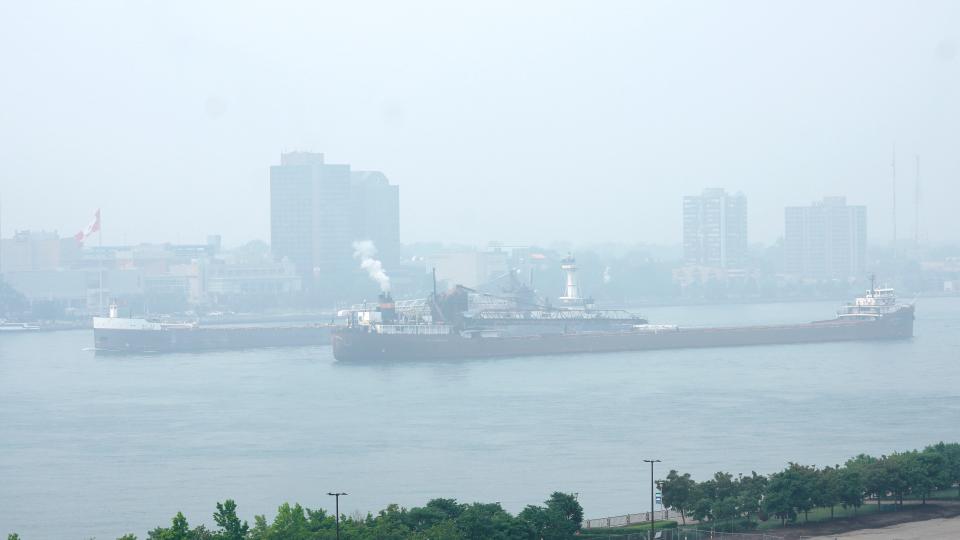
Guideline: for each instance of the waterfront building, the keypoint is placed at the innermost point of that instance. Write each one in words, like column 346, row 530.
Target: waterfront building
column 225, row 282
column 30, row 251
column 468, row 268
column 826, row 240
column 715, row 229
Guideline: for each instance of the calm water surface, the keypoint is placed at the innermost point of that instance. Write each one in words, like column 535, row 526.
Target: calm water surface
column 100, row 446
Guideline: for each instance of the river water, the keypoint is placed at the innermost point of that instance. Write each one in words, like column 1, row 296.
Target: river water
column 99, row 446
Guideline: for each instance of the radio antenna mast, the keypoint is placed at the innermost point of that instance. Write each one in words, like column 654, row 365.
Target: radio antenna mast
column 916, row 206
column 893, row 170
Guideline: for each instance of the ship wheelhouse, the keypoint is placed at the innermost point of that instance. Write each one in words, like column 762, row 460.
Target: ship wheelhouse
column 873, row 305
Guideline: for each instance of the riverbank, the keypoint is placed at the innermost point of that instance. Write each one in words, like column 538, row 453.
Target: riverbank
column 913, row 520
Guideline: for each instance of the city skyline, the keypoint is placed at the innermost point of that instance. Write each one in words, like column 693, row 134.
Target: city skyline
column 602, row 134
column 906, row 236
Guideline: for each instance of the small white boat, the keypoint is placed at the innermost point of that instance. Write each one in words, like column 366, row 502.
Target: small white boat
column 17, row 327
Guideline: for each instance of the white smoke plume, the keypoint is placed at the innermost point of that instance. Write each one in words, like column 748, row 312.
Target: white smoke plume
column 606, row 275
column 365, row 252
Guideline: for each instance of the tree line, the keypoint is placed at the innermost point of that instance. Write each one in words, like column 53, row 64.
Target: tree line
column 799, row 489
column 558, row 519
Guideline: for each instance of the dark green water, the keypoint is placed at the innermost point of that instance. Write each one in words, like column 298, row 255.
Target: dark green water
column 100, row 446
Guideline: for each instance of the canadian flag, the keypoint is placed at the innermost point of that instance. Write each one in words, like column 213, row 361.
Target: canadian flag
column 93, row 227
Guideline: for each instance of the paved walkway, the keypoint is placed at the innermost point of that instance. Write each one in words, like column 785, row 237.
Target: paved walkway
column 918, row 530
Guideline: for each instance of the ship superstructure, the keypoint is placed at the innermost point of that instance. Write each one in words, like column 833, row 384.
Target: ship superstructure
column 469, row 313
column 875, row 304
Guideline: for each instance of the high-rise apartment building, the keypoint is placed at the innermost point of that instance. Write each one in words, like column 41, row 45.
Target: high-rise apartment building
column 317, row 211
column 309, row 216
column 826, row 240
column 715, row 229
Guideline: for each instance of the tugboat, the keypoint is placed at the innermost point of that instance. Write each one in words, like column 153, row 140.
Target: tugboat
column 464, row 323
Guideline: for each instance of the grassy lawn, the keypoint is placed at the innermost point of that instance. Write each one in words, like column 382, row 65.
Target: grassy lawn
column 640, row 527
column 823, row 514
column 939, row 495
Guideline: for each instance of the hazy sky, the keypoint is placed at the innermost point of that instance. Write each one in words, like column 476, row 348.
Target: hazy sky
column 517, row 121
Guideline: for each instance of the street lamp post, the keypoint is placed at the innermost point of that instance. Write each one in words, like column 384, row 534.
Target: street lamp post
column 652, row 520
column 337, row 496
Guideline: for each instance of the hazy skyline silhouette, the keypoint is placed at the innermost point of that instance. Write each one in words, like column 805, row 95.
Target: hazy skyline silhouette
column 499, row 121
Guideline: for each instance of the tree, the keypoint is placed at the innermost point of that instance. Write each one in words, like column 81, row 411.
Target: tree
column 444, row 530
column 724, row 509
column 828, row 488
column 871, row 474
column 480, row 520
column 178, row 530
column 435, row 512
column 805, row 494
column 928, row 474
column 751, row 490
column 291, row 522
column 778, row 501
column 899, row 471
column 261, row 529
column 559, row 520
column 719, row 497
column 702, row 507
column 128, row 536
column 850, row 487
column 231, row 528
column 791, row 491
column 389, row 524
column 567, row 510
column 950, row 454
column 677, row 492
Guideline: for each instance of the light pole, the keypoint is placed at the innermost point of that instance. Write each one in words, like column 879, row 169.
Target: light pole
column 652, row 521
column 337, row 495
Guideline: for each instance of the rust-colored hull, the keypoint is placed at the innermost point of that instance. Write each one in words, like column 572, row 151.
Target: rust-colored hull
column 357, row 344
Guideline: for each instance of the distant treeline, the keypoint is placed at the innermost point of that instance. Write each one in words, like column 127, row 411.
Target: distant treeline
column 798, row 489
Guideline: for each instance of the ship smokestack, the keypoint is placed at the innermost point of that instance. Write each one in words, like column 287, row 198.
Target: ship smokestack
column 387, row 309
column 365, row 252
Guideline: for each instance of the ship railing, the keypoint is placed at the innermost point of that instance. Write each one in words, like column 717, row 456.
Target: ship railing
column 412, row 329
column 563, row 315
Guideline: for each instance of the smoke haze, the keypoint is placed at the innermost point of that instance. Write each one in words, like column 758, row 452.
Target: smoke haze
column 601, row 117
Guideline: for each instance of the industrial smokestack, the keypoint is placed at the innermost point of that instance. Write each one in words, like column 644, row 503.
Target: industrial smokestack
column 365, row 252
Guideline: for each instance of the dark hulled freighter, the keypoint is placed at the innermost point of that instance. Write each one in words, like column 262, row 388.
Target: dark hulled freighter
column 115, row 334
column 464, row 323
